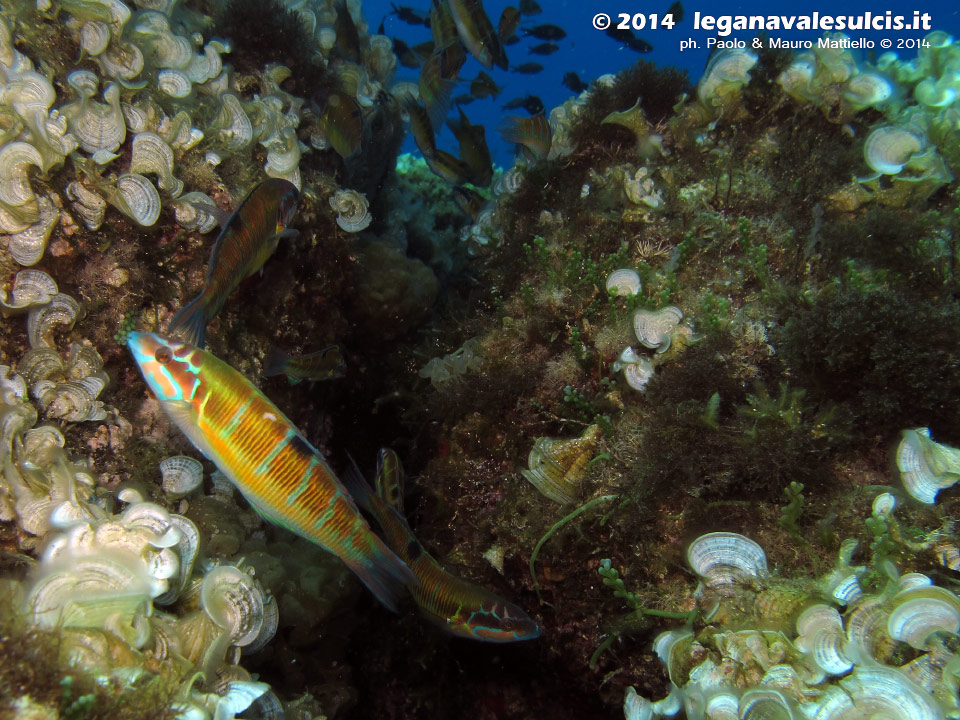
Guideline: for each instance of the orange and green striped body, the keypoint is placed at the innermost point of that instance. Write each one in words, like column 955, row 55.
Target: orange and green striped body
column 457, row 606
column 248, row 239
column 247, row 437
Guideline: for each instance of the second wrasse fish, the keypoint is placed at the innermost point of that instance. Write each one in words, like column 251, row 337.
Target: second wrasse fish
column 248, row 238
column 459, row 607
column 321, row 365
column 533, row 134
column 477, row 34
column 259, row 450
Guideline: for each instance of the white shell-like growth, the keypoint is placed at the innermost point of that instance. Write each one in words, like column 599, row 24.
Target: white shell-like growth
column 28, row 246
column 654, row 328
column 137, row 198
column 884, row 692
column 352, row 210
column 727, row 71
column 41, row 321
column 624, row 281
column 97, row 126
column 725, row 558
column 884, row 504
column 150, row 154
column 926, row 467
column 920, row 611
column 174, row 83
column 94, row 36
column 556, row 466
column 234, row 601
column 822, row 638
column 181, row 475
column 867, row 90
column 283, row 154
column 206, row 66
column 17, row 200
column 87, row 204
column 233, row 126
column 637, row 369
column 889, row 148
column 195, row 211
column 30, row 287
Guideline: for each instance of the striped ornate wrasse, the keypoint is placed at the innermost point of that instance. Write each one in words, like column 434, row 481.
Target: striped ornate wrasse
column 459, row 607
column 247, row 437
column 247, row 240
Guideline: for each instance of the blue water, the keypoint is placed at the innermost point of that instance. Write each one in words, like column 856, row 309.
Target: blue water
column 590, row 53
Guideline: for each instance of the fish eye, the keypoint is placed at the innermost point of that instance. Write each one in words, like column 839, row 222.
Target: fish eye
column 163, row 355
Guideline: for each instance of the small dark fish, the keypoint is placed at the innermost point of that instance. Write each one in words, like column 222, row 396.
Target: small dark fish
column 529, row 7
column 483, row 86
column 528, row 68
column 477, row 34
column 626, row 37
column 470, row 201
column 348, row 38
column 420, row 127
column 545, row 32
column 405, row 54
column 509, row 22
column 572, row 80
column 247, row 240
column 512, row 40
column 547, row 48
column 342, row 123
column 436, row 92
column 532, row 133
column 408, row 15
column 677, row 11
column 320, row 365
column 531, row 103
column 473, row 149
column 457, row 606
column 448, row 167
column 463, row 99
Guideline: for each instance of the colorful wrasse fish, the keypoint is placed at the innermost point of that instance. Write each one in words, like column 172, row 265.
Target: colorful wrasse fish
column 509, row 22
column 260, row 451
column 436, row 91
column 442, row 26
column 320, row 365
column 473, row 149
column 457, row 606
column 470, row 201
column 342, row 123
column 532, row 133
column 477, row 34
column 483, row 86
column 449, row 167
column 248, row 238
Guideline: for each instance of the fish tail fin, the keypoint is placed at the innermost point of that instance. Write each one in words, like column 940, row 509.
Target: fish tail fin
column 190, row 321
column 373, row 561
column 437, row 110
column 511, row 130
column 358, row 487
column 380, row 569
column 275, row 362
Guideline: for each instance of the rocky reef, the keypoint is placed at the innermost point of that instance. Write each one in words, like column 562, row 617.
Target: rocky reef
column 729, row 307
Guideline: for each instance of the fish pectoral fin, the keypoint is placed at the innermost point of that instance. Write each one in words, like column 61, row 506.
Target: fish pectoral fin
column 286, row 233
column 267, row 514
